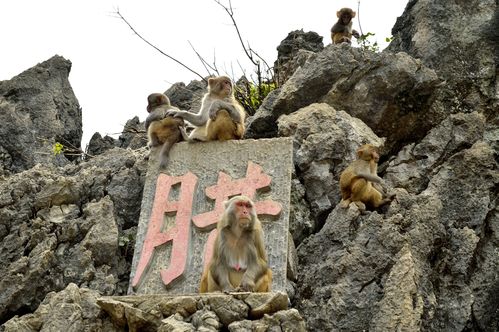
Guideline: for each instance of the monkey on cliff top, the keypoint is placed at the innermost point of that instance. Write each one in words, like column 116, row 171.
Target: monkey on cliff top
column 342, row 31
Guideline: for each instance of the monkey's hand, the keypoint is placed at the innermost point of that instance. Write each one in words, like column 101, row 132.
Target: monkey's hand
column 246, row 286
column 174, row 113
column 355, row 33
column 154, row 116
column 217, row 105
column 183, row 132
column 228, row 289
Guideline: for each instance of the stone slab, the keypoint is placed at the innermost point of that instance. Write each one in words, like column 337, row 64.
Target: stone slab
column 180, row 207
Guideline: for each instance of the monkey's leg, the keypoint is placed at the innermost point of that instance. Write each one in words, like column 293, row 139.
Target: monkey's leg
column 198, row 134
column 213, row 286
column 222, row 128
column 203, row 284
column 153, row 140
column 239, row 131
column 376, row 198
column 223, row 278
column 345, row 203
column 360, row 188
column 263, row 284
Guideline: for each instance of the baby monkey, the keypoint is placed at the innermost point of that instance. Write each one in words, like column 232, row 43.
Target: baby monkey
column 162, row 129
column 342, row 31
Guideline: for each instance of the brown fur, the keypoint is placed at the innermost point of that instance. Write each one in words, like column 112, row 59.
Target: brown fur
column 162, row 129
column 356, row 181
column 238, row 240
column 221, row 117
column 342, row 31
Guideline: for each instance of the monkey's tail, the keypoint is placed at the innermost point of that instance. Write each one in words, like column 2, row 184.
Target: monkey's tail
column 165, row 154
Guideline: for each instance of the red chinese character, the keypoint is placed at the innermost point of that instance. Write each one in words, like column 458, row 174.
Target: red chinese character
column 178, row 234
column 225, row 188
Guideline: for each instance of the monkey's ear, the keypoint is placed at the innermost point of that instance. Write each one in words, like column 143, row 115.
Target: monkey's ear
column 359, row 152
column 226, row 205
column 338, row 14
column 353, row 14
column 210, row 81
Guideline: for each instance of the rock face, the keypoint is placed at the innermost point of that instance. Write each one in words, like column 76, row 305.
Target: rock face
column 457, row 40
column 37, row 109
column 62, row 225
column 428, row 261
column 383, row 90
column 294, row 51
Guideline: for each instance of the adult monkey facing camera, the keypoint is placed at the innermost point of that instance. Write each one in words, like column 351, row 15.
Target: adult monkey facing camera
column 162, row 129
column 239, row 261
column 221, row 117
column 359, row 180
column 342, row 31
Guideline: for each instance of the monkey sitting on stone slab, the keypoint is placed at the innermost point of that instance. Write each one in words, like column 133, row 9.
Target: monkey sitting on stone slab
column 162, row 129
column 221, row 117
column 359, row 180
column 239, row 261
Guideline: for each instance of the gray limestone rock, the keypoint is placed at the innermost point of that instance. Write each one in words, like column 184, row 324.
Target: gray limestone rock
column 38, row 108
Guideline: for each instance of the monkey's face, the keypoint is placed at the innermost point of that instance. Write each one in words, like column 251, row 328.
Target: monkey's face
column 156, row 99
column 227, row 87
column 345, row 15
column 222, row 86
column 244, row 213
column 368, row 152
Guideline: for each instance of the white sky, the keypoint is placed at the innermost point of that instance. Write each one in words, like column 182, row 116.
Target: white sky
column 114, row 71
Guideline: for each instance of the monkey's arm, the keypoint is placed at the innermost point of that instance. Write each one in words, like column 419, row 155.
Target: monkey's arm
column 197, row 119
column 221, row 104
column 220, row 273
column 369, row 177
column 355, row 33
column 155, row 115
column 338, row 27
column 258, row 259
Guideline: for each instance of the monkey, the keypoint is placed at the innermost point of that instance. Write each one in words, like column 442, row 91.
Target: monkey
column 220, row 117
column 239, row 260
column 359, row 182
column 162, row 129
column 342, row 31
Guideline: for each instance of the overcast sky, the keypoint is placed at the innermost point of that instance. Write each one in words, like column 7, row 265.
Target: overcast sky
column 114, row 71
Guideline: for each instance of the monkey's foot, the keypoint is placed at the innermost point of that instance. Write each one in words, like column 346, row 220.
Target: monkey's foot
column 344, row 203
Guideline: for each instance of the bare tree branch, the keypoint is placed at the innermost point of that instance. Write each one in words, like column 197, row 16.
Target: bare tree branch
column 156, row 48
column 358, row 17
column 230, row 11
column 206, row 65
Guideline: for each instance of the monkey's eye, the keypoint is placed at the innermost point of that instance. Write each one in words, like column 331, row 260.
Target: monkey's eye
column 240, row 203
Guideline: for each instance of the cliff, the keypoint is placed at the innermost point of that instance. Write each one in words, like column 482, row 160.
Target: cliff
column 428, row 261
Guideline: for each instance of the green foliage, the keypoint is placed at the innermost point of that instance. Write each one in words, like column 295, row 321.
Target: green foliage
column 57, row 148
column 366, row 43
column 251, row 95
column 125, row 242
column 258, row 94
column 388, row 39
